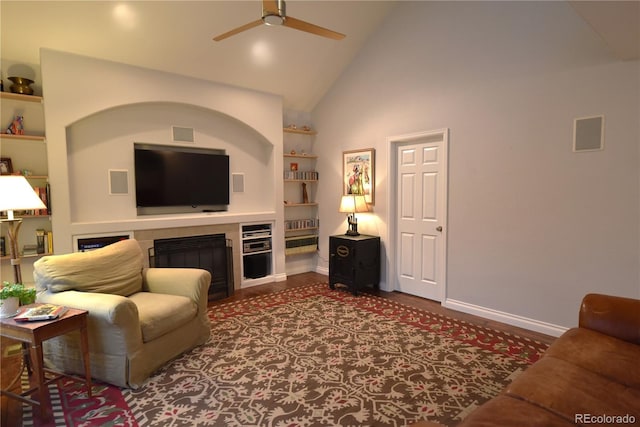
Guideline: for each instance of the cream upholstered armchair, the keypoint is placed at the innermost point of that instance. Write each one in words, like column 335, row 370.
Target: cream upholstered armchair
column 139, row 318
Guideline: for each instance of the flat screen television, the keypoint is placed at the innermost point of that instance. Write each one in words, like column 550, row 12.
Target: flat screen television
column 183, row 179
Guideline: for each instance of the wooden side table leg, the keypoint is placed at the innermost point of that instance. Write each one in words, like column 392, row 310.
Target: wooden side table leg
column 37, row 362
column 84, row 342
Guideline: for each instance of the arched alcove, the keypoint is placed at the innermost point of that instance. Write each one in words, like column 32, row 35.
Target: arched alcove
column 103, row 141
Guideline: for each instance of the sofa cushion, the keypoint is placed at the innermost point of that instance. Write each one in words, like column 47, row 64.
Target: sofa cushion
column 506, row 410
column 114, row 269
column 568, row 390
column 161, row 313
column 599, row 353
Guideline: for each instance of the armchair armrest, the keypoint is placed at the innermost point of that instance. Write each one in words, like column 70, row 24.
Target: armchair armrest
column 615, row 316
column 192, row 283
column 113, row 319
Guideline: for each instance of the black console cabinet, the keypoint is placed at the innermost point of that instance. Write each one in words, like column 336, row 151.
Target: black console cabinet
column 354, row 261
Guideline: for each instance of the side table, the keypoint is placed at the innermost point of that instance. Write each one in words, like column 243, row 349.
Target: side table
column 33, row 334
column 354, row 261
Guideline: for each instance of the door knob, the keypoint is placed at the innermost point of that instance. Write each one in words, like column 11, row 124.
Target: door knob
column 439, row 228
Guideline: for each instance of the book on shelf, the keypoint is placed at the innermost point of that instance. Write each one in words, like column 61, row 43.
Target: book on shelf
column 41, row 312
column 40, row 239
column 29, row 250
column 49, row 243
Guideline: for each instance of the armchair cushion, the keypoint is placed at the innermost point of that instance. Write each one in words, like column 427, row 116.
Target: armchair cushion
column 115, row 269
column 153, row 309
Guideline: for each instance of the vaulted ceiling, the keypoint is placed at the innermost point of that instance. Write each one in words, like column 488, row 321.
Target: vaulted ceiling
column 176, row 37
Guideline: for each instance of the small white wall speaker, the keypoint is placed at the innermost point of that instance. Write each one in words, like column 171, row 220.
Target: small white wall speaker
column 588, row 133
column 182, row 134
column 237, row 180
column 118, row 182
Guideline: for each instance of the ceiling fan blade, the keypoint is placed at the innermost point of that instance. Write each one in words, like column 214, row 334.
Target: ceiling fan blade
column 311, row 28
column 238, row 30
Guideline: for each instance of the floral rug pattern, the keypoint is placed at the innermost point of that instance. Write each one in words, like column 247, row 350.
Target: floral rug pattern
column 314, row 357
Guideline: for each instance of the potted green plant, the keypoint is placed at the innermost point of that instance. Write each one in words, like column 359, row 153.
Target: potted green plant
column 12, row 295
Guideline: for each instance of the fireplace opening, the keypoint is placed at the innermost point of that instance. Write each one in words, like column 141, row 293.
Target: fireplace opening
column 210, row 252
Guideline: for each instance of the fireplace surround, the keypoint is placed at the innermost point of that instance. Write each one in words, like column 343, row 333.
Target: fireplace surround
column 211, row 252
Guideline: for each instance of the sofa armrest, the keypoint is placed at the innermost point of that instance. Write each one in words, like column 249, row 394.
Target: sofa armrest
column 114, row 326
column 615, row 316
column 192, row 283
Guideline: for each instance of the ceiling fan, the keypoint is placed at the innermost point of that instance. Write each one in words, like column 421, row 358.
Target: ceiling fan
column 274, row 13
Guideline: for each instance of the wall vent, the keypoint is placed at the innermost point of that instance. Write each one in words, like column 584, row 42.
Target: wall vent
column 588, row 134
column 237, row 180
column 182, row 134
column 118, row 182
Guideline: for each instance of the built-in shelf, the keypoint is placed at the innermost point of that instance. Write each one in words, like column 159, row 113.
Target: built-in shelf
column 21, row 97
column 293, row 205
column 302, row 156
column 8, row 257
column 303, row 132
column 39, row 138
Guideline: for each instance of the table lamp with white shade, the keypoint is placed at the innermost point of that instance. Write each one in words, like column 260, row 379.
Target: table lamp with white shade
column 351, row 204
column 16, row 194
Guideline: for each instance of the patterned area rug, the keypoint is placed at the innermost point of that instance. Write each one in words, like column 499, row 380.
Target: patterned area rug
column 314, row 357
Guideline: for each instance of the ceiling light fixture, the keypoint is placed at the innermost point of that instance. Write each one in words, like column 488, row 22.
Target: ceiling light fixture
column 275, row 17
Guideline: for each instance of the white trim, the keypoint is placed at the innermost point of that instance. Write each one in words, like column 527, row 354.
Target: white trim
column 508, row 318
column 247, row 283
column 280, row 277
column 322, row 270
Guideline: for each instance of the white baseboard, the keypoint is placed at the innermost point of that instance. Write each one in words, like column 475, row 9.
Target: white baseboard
column 247, row 283
column 322, row 270
column 280, row 277
column 508, row 318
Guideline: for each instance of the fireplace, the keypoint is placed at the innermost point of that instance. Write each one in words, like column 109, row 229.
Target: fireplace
column 210, row 252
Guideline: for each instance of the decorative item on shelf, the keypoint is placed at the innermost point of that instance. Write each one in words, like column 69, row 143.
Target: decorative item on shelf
column 306, row 128
column 16, row 127
column 15, row 194
column 40, row 239
column 14, row 295
column 26, row 172
column 5, row 166
column 351, row 204
column 293, row 166
column 305, row 195
column 21, row 85
column 292, row 152
column 292, row 126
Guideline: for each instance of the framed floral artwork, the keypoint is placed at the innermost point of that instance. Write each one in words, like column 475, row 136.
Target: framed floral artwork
column 358, row 173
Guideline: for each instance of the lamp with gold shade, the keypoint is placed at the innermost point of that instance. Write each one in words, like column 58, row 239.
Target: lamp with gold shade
column 351, row 204
column 16, row 194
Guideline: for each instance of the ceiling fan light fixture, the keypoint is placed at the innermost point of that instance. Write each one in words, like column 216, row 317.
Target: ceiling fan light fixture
column 273, row 19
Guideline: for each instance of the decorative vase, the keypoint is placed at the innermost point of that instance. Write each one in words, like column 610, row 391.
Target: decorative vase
column 9, row 307
column 21, row 85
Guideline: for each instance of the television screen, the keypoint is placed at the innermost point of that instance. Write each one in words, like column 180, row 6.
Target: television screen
column 181, row 176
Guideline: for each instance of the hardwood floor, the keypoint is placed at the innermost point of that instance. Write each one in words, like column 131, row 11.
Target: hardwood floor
column 406, row 299
column 11, row 408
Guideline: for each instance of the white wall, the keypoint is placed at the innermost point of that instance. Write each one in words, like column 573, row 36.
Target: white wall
column 84, row 97
column 532, row 225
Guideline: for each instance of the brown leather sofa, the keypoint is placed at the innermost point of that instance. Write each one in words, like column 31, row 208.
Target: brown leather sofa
column 588, row 376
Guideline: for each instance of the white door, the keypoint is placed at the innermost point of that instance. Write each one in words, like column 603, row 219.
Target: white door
column 421, row 184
